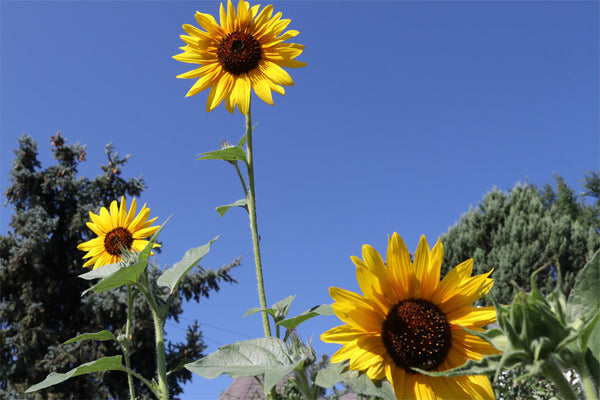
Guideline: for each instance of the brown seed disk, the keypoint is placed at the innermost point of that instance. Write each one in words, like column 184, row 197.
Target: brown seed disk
column 117, row 239
column 239, row 53
column 416, row 333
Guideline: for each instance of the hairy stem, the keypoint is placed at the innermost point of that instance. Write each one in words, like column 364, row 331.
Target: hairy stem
column 253, row 226
column 127, row 342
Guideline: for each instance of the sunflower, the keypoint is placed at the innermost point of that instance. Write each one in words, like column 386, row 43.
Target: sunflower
column 406, row 318
column 245, row 50
column 117, row 230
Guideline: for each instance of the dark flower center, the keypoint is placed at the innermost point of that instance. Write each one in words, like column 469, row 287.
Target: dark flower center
column 416, row 334
column 239, row 52
column 117, row 239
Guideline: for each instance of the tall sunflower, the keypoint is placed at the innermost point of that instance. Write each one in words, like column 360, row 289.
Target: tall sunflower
column 407, row 318
column 245, row 50
column 117, row 230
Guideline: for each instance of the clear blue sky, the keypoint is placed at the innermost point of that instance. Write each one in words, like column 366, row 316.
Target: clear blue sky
column 407, row 114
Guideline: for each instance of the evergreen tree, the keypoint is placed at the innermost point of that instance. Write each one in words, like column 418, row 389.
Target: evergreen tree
column 40, row 290
column 519, row 231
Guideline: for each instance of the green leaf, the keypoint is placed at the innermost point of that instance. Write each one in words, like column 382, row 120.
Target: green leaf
column 293, row 322
column 240, row 203
column 102, row 335
column 584, row 298
column 486, row 366
column 124, row 276
column 104, row 364
column 243, row 140
column 101, row 272
column 357, row 381
column 268, row 356
column 228, row 154
column 592, row 367
column 278, row 310
column 171, row 277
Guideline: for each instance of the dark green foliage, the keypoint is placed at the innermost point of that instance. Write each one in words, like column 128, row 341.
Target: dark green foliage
column 527, row 228
column 41, row 293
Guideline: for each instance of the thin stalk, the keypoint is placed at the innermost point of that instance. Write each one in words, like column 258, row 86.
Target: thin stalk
column 253, row 226
column 160, row 355
column 552, row 370
column 127, row 343
column 144, row 380
column 239, row 173
column 163, row 386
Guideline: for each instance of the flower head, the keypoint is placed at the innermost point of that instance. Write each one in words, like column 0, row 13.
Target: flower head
column 117, row 230
column 406, row 318
column 246, row 50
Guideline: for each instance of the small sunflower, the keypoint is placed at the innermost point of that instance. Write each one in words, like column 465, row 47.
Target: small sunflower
column 407, row 318
column 117, row 230
column 246, row 50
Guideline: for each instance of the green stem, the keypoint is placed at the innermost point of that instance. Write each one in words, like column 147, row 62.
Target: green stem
column 239, row 173
column 589, row 387
column 144, row 380
column 163, row 386
column 253, row 226
column 127, row 343
column 552, row 370
column 160, row 355
column 303, row 385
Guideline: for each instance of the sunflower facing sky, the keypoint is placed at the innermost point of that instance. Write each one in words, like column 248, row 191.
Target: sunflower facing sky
column 407, row 318
column 246, row 50
column 117, row 230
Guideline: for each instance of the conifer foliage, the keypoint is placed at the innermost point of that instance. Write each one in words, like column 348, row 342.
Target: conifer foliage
column 519, row 231
column 41, row 303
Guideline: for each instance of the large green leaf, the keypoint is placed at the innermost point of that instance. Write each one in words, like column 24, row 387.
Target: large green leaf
column 584, row 304
column 240, row 203
column 101, row 272
column 357, row 381
column 124, row 276
column 102, row 335
column 171, row 277
column 104, row 364
column 227, row 154
column 268, row 356
column 292, row 323
column 584, row 299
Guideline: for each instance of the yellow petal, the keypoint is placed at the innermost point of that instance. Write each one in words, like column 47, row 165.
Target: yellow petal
column 467, row 292
column 114, row 214
column 421, row 267
column 452, row 280
column 374, row 289
column 432, row 279
column 209, row 24
column 261, row 87
column 400, row 267
column 469, row 345
column 275, row 73
column 341, row 334
column 470, row 317
column 102, row 221
column 242, row 93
